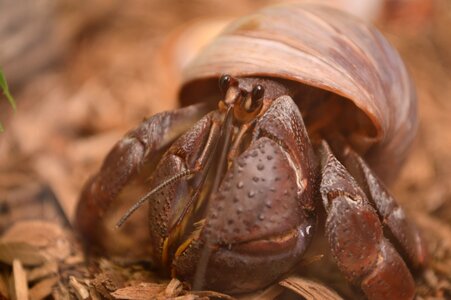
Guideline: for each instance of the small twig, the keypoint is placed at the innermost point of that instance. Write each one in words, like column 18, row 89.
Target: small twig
column 19, row 284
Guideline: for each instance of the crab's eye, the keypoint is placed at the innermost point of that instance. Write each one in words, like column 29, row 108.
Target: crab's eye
column 257, row 93
column 254, row 102
column 224, row 82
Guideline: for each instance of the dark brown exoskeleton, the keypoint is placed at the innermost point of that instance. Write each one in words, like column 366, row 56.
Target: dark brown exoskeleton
column 318, row 109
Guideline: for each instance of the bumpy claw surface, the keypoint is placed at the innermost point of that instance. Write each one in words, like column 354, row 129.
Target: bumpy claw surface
column 251, row 226
column 260, row 221
column 392, row 215
column 356, row 238
column 124, row 162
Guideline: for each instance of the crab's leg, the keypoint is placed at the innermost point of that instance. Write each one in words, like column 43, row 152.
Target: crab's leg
column 391, row 214
column 356, row 238
column 124, row 162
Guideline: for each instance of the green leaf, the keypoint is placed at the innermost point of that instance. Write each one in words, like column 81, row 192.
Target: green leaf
column 5, row 89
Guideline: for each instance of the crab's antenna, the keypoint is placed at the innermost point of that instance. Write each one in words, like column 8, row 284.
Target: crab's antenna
column 147, row 196
column 227, row 130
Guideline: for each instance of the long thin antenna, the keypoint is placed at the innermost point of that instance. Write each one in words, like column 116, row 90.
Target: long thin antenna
column 205, row 161
column 199, row 275
column 146, row 197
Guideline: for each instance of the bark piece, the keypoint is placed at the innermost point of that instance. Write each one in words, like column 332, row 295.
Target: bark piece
column 142, row 291
column 309, row 289
column 43, row 271
column 26, row 253
column 43, row 288
column 80, row 290
column 47, row 239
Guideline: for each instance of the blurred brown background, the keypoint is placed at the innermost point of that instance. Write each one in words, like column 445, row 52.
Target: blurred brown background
column 85, row 72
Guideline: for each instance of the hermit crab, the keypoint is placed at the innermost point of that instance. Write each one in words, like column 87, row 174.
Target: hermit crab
column 314, row 114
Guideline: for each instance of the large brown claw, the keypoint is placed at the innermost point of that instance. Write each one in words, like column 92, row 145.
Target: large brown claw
column 260, row 220
column 392, row 215
column 253, row 224
column 124, row 162
column 356, row 237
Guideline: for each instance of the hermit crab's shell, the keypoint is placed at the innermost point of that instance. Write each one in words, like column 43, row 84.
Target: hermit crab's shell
column 325, row 49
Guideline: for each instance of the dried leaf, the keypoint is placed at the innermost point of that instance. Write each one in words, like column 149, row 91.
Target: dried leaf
column 43, row 289
column 142, row 291
column 308, row 289
column 19, row 284
column 27, row 254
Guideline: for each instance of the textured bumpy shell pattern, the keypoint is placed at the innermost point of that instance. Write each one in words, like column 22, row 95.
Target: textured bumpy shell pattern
column 325, row 49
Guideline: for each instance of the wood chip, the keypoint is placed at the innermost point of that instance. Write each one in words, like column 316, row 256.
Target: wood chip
column 19, row 282
column 269, row 293
column 47, row 237
column 142, row 291
column 74, row 260
column 43, row 288
column 430, row 277
column 43, row 271
column 26, row 253
column 174, row 288
column 79, row 289
column 212, row 295
column 187, row 297
column 308, row 289
column 60, row 292
column 34, row 232
column 4, row 286
column 94, row 294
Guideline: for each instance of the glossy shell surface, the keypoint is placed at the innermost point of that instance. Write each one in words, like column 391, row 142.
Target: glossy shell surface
column 325, row 49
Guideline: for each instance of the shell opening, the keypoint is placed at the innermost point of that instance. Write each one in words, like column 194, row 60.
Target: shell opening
column 324, row 112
